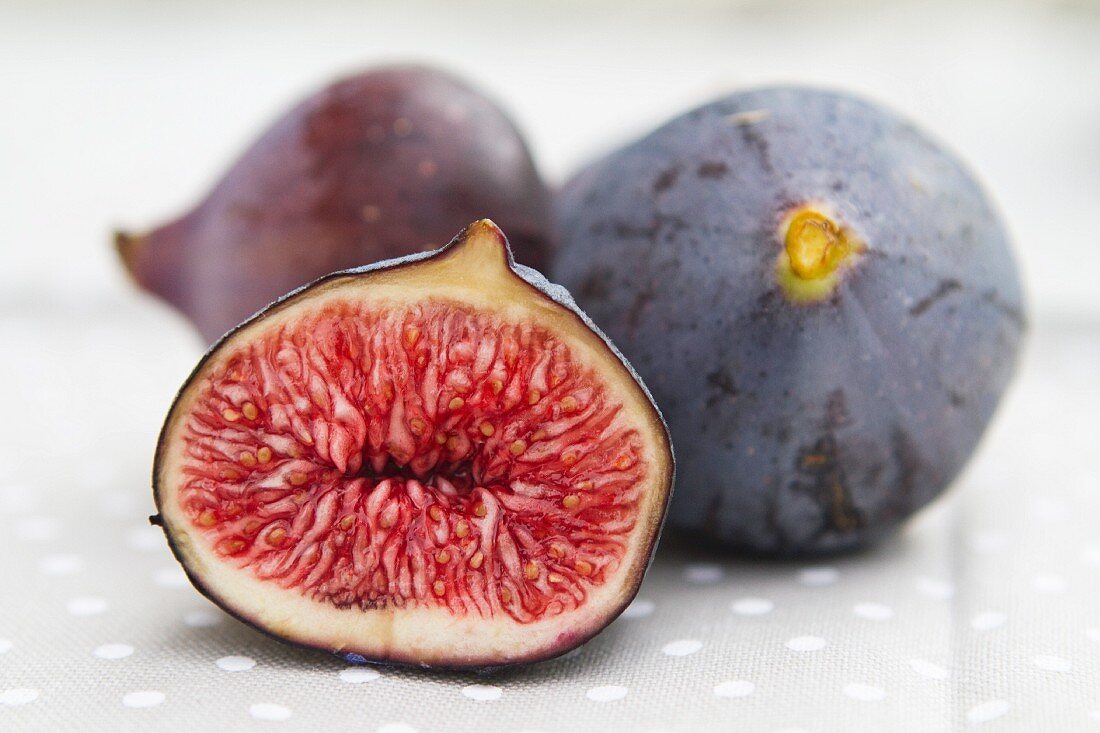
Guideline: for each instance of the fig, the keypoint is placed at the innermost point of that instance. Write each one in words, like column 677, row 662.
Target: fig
column 822, row 299
column 375, row 166
column 436, row 461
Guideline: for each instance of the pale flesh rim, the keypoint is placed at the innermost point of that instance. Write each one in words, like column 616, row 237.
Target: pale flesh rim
column 475, row 270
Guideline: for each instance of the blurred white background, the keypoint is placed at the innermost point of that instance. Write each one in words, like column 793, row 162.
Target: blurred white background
column 123, row 113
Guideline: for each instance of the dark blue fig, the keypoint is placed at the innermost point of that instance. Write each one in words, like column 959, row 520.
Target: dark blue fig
column 822, row 300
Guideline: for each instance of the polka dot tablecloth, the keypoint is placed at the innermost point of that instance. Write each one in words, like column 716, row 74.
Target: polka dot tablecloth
column 984, row 614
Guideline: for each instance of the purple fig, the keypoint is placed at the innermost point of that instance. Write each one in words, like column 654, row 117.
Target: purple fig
column 375, row 166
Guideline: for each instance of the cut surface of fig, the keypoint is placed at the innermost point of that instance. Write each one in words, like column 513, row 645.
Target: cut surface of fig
column 433, row 461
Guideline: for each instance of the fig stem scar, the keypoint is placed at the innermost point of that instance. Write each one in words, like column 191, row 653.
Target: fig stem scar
column 815, row 249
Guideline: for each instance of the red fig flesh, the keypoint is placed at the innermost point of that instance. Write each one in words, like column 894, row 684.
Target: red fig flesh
column 435, row 461
column 376, row 166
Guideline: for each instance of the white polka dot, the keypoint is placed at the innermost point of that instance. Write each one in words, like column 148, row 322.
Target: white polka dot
column 170, row 578
column 236, row 664
column 639, row 608
column 87, row 606
column 37, row 529
column 1095, row 715
column 987, row 711
column 1049, row 584
column 1052, row 663
column 703, row 573
column 682, row 647
column 395, row 728
column 988, row 542
column 359, row 675
column 1091, row 554
column 818, row 576
column 806, row 643
column 734, row 688
column 202, row 618
column 935, row 588
column 607, row 693
column 482, row 693
column 269, row 711
column 145, row 538
column 873, row 611
column 18, row 696
column 1093, row 633
column 143, row 699
column 988, row 620
column 5, row 645
column 929, row 669
column 752, row 606
column 113, row 651
column 61, row 564
column 867, row 693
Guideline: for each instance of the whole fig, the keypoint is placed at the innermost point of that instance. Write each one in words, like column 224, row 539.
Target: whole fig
column 375, row 166
column 822, row 299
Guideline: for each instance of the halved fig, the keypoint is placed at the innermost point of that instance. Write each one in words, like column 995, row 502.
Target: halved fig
column 437, row 460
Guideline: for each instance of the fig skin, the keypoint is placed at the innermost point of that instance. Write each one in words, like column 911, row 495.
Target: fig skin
column 805, row 424
column 538, row 287
column 375, row 166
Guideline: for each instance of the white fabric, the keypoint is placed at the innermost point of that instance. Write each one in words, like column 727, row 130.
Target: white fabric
column 985, row 612
column 117, row 112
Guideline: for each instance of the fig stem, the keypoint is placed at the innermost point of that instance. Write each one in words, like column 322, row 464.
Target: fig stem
column 482, row 248
column 816, row 245
column 128, row 245
column 816, row 248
